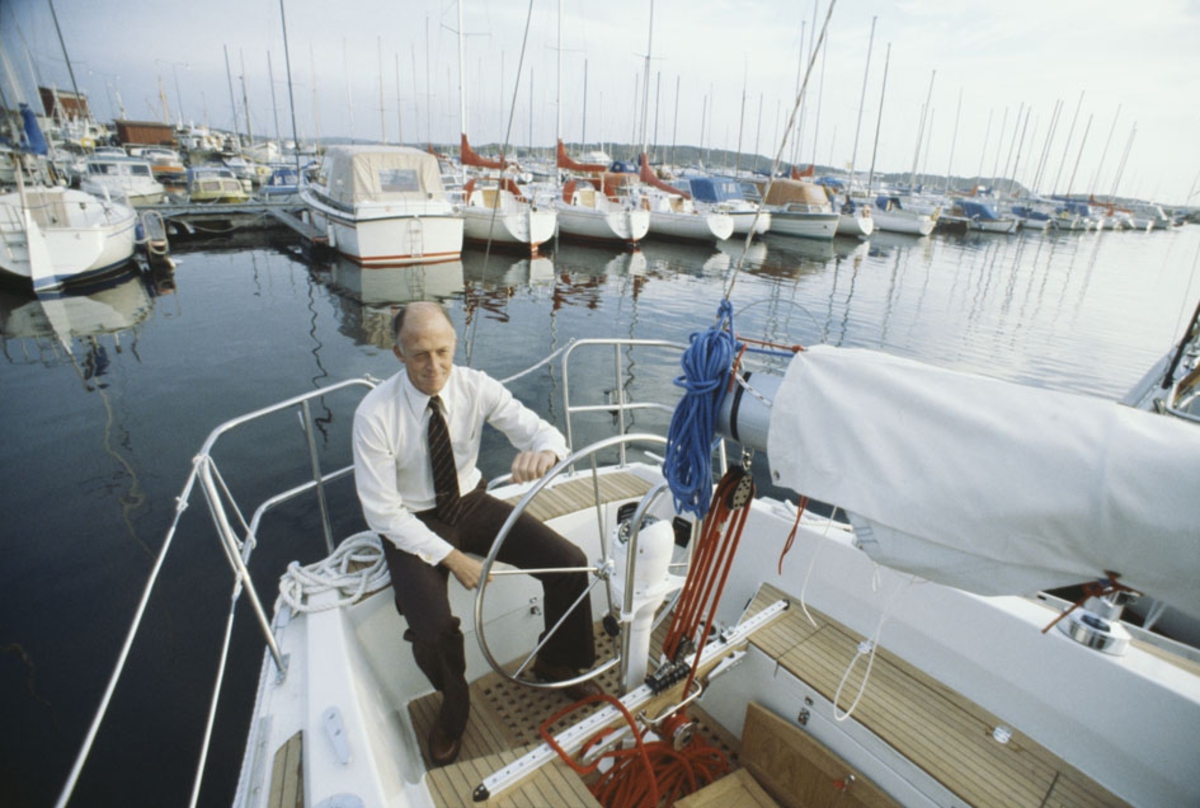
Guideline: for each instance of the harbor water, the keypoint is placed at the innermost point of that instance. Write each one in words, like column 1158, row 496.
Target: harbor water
column 108, row 396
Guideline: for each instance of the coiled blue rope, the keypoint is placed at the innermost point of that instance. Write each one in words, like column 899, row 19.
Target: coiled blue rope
column 706, row 366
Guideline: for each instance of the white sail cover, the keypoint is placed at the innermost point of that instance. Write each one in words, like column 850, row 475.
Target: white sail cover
column 990, row 486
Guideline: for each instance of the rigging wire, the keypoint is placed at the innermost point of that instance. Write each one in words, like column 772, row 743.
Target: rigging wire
column 512, row 111
column 779, row 154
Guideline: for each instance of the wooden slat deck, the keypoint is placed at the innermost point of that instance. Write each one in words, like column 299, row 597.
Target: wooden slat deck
column 941, row 731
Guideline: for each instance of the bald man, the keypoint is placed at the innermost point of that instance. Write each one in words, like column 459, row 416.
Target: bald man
column 430, row 533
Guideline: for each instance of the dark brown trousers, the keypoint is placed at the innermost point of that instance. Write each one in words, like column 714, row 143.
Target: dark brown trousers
column 421, row 596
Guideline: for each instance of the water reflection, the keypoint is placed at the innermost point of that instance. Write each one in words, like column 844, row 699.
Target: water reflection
column 45, row 328
column 90, row 333
column 367, row 299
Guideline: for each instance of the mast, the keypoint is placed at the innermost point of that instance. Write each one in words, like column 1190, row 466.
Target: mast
column 737, row 166
column 657, row 93
column 316, row 100
column 232, row 103
column 70, row 70
column 1078, row 157
column 462, row 93
column 246, row 98
column 558, row 86
column 792, row 130
column 349, row 95
column 1121, row 166
column 999, row 147
column 758, row 129
column 1045, row 158
column 416, row 96
column 646, row 78
column 382, row 110
column 879, row 120
column 1104, row 154
column 820, row 98
column 1013, row 143
column 953, row 141
column 287, row 60
column 399, row 111
column 675, row 126
column 912, row 180
column 428, row 89
column 862, row 98
column 1067, row 145
column 274, row 105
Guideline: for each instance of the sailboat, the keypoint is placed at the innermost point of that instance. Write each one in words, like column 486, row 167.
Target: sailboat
column 494, row 210
column 52, row 236
column 592, row 203
column 899, row 651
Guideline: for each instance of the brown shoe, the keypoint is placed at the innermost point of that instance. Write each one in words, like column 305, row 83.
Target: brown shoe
column 560, row 673
column 442, row 750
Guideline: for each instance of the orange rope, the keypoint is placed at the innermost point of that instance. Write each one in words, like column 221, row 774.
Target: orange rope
column 1094, row 589
column 793, row 348
column 672, row 774
column 801, row 504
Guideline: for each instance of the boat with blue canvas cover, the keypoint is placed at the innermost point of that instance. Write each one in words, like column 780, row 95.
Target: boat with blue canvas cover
column 984, row 217
column 725, row 195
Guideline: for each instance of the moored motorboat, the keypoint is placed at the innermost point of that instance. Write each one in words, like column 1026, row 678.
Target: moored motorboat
column 891, row 215
column 725, row 195
column 799, row 208
column 214, row 184
column 122, row 177
column 383, row 205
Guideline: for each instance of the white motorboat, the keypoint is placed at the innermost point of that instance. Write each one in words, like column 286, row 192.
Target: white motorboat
column 122, row 177
column 725, row 195
column 902, row 655
column 799, row 208
column 984, row 218
column 165, row 164
column 891, row 215
column 383, row 205
column 52, row 236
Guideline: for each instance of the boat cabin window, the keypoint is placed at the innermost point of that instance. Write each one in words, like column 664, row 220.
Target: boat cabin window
column 139, row 170
column 398, row 180
column 102, row 168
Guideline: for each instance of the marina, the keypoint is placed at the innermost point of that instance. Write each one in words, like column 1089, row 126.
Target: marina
column 817, row 478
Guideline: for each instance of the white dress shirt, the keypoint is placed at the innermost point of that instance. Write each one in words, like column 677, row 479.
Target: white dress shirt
column 391, row 450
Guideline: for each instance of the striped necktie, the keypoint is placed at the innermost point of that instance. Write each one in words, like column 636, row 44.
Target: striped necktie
column 441, row 459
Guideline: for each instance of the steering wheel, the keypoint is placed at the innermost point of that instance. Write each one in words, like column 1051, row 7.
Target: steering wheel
column 602, row 571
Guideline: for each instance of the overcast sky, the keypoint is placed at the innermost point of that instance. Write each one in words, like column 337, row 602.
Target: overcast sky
column 1134, row 64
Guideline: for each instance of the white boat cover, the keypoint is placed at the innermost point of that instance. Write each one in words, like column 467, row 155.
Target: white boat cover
column 987, row 485
column 382, row 174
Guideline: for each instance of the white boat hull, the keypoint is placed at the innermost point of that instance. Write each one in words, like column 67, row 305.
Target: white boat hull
column 622, row 226
column 804, row 225
column 744, row 220
column 76, row 236
column 858, row 225
column 1006, row 226
column 691, row 226
column 911, row 223
column 528, row 228
column 388, row 237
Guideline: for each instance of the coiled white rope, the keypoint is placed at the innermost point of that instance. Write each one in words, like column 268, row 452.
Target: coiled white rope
column 299, row 584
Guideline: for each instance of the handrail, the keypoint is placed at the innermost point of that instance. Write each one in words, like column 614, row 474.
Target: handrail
column 621, row 406
column 202, row 471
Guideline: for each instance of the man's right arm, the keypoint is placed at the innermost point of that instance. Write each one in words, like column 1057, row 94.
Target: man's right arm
column 384, row 510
